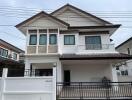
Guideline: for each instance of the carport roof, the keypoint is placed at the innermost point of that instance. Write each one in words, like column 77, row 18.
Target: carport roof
column 95, row 56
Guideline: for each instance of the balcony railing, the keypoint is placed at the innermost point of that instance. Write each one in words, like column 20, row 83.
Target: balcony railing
column 96, row 46
column 42, row 49
column 94, row 90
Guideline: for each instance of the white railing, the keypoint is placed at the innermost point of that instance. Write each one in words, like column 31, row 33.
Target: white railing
column 96, row 46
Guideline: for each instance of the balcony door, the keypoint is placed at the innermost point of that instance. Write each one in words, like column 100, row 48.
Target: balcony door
column 93, row 42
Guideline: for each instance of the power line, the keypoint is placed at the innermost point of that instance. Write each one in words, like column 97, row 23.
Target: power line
column 13, row 35
column 34, row 9
column 37, row 9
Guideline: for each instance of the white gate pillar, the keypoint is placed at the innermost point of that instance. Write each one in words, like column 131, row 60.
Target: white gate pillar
column 54, row 83
column 4, row 76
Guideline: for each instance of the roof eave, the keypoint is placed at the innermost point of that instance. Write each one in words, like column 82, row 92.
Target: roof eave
column 42, row 12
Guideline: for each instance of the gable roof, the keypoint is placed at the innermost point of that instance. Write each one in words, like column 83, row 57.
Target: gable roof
column 124, row 42
column 12, row 47
column 82, row 11
column 41, row 13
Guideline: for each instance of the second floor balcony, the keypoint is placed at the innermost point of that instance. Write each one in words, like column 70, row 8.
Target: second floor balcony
column 89, row 48
column 95, row 47
column 42, row 49
column 54, row 49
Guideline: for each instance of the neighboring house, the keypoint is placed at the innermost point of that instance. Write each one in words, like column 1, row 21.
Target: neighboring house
column 9, row 51
column 124, row 70
column 67, row 48
column 10, row 56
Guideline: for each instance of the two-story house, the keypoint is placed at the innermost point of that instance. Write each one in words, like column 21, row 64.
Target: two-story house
column 10, row 56
column 124, row 70
column 74, row 42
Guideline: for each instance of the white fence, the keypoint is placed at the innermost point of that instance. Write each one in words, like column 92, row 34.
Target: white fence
column 27, row 88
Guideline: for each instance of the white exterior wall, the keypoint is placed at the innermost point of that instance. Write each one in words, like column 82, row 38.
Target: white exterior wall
column 79, row 46
column 89, row 72
column 68, row 48
column 43, row 61
column 124, row 78
column 33, row 96
column 22, row 84
column 105, row 40
column 28, row 88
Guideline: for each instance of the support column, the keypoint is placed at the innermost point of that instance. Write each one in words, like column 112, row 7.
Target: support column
column 4, row 76
column 27, row 41
column 58, row 41
column 54, row 83
column 59, row 72
column 114, row 77
column 37, row 41
column 47, row 40
column 27, row 67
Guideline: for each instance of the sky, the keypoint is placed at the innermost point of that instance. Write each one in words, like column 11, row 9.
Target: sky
column 12, row 12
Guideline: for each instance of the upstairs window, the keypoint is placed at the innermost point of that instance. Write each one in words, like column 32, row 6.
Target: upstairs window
column 3, row 52
column 69, row 39
column 33, row 40
column 43, row 39
column 93, row 42
column 14, row 56
column 52, row 39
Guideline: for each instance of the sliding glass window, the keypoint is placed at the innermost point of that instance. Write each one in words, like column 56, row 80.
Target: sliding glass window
column 33, row 39
column 43, row 39
column 3, row 52
column 69, row 39
column 53, row 39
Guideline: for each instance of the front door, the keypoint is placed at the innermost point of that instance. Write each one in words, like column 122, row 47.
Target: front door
column 67, row 77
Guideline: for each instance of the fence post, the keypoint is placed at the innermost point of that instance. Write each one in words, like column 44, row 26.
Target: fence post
column 107, row 86
column 4, row 76
column 80, row 92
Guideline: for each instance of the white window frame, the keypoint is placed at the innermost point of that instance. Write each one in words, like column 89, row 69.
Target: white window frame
column 7, row 52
